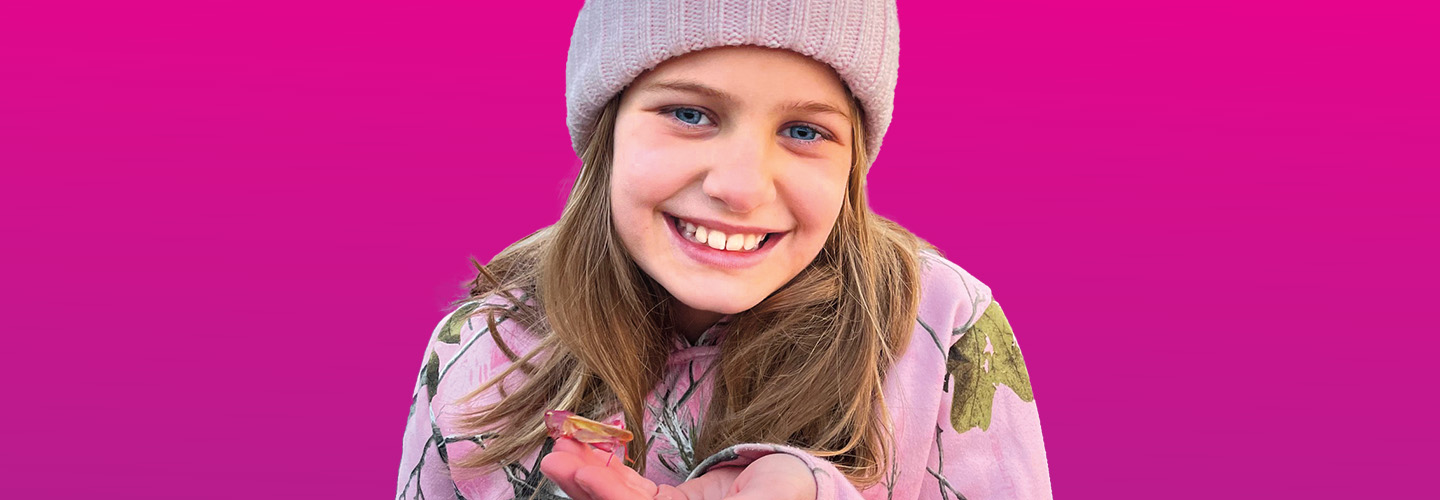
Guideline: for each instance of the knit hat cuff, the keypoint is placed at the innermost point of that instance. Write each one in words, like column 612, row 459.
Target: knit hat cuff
column 617, row 40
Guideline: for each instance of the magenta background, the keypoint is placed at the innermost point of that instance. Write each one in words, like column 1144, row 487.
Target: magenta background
column 229, row 228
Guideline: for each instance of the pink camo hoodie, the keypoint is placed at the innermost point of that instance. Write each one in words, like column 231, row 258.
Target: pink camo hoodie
column 965, row 419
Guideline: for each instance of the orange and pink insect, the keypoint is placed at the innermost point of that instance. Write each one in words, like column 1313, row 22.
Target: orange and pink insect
column 606, row 437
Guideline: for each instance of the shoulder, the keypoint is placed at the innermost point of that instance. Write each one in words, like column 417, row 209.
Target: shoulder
column 923, row 380
column 951, row 299
column 982, row 354
column 469, row 346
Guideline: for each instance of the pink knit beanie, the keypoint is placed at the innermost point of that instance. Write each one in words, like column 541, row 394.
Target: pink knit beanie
column 616, row 40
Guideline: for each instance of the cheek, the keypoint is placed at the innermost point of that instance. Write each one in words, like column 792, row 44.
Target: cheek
column 645, row 176
column 817, row 205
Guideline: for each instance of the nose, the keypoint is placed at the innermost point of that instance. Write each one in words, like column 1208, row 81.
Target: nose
column 742, row 176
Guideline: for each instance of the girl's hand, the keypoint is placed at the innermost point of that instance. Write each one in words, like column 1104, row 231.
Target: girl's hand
column 583, row 473
column 774, row 476
column 715, row 484
column 586, row 473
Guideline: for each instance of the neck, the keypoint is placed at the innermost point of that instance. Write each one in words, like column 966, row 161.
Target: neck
column 692, row 322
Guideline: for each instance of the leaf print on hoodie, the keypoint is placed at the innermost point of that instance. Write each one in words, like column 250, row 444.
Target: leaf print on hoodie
column 985, row 356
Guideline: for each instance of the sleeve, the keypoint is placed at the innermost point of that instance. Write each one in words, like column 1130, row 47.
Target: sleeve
column 424, row 466
column 986, row 442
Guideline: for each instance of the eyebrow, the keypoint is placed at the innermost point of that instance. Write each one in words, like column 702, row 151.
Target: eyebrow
column 698, row 88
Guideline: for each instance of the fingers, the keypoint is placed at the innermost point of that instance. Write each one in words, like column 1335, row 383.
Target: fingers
column 588, row 454
column 586, row 473
column 561, row 468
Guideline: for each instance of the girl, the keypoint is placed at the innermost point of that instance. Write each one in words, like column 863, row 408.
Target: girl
column 717, row 283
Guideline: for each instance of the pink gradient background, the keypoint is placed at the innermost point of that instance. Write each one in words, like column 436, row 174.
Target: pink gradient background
column 229, row 228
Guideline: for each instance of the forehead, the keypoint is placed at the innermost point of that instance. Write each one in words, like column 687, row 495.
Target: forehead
column 749, row 76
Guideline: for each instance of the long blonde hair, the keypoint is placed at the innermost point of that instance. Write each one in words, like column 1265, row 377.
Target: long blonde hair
column 804, row 367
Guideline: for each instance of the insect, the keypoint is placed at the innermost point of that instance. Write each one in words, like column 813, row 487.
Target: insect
column 606, row 437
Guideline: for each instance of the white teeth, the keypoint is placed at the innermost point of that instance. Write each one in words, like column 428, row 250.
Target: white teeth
column 734, row 242
column 718, row 239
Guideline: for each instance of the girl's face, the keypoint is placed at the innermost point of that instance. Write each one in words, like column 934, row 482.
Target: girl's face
column 730, row 169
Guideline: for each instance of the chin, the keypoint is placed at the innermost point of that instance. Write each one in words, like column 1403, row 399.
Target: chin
column 721, row 302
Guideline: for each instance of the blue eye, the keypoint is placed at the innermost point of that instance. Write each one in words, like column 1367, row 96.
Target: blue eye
column 690, row 116
column 806, row 133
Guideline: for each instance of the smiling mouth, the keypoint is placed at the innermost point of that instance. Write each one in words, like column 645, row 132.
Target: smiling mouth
column 718, row 240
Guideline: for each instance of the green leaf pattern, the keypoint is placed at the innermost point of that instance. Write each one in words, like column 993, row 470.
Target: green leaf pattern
column 985, row 356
